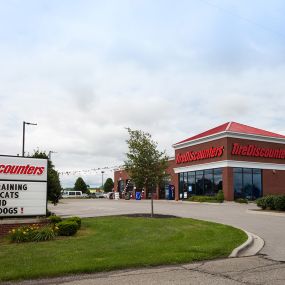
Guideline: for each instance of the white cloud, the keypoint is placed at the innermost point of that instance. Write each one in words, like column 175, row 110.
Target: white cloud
column 83, row 84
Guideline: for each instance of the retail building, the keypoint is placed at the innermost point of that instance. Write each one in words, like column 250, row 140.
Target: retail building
column 243, row 161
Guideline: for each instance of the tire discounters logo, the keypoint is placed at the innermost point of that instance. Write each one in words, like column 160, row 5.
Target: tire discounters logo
column 255, row 151
column 190, row 156
column 21, row 169
column 23, row 186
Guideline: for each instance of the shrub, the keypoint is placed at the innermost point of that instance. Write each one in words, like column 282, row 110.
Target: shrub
column 67, row 228
column 75, row 219
column 279, row 202
column 55, row 219
column 241, row 200
column 261, row 203
column 272, row 202
column 269, row 202
column 203, row 199
column 220, row 196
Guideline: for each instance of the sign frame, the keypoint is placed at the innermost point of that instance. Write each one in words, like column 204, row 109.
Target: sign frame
column 42, row 168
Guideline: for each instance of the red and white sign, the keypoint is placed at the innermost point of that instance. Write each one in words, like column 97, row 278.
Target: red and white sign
column 199, row 155
column 255, row 151
column 23, row 186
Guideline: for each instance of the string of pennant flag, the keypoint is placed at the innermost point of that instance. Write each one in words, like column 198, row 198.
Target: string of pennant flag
column 90, row 171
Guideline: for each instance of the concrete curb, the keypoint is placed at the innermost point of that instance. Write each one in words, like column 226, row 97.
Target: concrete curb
column 250, row 247
column 243, row 246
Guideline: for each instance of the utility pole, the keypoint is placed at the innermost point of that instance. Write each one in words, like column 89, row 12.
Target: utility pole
column 49, row 154
column 102, row 178
column 24, row 129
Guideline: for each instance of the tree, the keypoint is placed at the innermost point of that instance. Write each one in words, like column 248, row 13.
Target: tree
column 80, row 185
column 145, row 164
column 53, row 183
column 108, row 185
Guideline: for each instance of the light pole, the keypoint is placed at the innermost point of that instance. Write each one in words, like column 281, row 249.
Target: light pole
column 49, row 154
column 102, row 178
column 24, row 124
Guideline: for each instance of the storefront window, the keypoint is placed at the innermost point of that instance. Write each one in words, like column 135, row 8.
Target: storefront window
column 238, row 183
column 185, row 186
column 218, row 180
column 208, row 182
column 181, row 185
column 191, row 183
column 256, row 184
column 201, row 182
column 247, row 183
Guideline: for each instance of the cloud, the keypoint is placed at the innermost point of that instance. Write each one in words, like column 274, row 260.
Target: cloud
column 86, row 73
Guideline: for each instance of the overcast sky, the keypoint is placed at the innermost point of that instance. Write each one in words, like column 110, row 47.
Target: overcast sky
column 84, row 70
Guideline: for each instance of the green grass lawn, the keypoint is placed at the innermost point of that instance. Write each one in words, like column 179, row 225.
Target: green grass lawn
column 119, row 242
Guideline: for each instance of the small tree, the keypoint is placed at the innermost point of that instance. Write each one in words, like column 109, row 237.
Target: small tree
column 53, row 183
column 80, row 185
column 145, row 164
column 108, row 185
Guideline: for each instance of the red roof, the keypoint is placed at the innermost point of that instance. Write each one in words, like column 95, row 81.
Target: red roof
column 234, row 128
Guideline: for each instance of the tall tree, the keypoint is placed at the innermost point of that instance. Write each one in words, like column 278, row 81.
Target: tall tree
column 53, row 183
column 108, row 185
column 145, row 164
column 80, row 185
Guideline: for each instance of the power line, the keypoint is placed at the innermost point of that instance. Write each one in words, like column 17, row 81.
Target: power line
column 90, row 171
column 263, row 27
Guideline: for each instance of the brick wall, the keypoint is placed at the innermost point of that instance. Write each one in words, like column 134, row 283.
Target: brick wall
column 7, row 225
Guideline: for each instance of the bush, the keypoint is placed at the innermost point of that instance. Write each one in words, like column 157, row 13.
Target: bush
column 272, row 202
column 279, row 202
column 67, row 228
column 241, row 200
column 217, row 198
column 203, row 199
column 75, row 219
column 261, row 203
column 55, row 219
column 220, row 196
column 269, row 202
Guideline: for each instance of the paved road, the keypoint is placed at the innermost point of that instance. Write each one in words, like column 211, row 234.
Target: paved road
column 235, row 271
column 269, row 226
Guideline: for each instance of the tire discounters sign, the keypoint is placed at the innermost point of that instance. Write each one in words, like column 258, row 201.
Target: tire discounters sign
column 23, row 186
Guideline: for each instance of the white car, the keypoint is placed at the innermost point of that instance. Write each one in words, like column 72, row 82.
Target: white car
column 109, row 195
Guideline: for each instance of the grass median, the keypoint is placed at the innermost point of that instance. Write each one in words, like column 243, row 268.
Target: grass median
column 110, row 243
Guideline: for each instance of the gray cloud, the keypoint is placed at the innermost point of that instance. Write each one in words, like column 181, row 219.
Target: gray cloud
column 84, row 80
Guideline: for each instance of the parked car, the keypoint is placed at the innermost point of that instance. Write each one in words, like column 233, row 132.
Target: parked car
column 91, row 195
column 73, row 194
column 109, row 195
column 99, row 195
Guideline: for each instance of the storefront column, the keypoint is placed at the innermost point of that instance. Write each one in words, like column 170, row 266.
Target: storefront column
column 176, row 185
column 228, row 183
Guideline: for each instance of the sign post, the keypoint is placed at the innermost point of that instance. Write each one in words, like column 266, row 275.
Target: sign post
column 23, row 186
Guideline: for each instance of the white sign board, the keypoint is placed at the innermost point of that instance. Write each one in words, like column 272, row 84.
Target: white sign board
column 23, row 186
